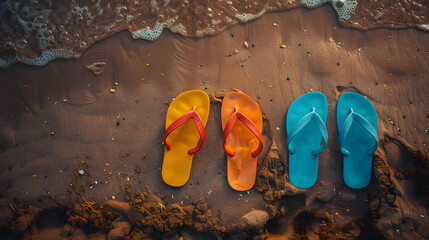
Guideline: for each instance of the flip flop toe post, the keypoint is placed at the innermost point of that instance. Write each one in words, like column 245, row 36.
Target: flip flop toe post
column 305, row 125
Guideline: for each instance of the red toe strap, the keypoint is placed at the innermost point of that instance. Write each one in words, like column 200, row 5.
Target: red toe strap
column 249, row 124
column 181, row 120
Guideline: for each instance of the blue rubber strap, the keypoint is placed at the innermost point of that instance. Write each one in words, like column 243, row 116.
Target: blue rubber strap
column 301, row 124
column 354, row 116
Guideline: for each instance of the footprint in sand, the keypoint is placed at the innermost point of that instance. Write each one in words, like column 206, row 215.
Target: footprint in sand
column 28, row 84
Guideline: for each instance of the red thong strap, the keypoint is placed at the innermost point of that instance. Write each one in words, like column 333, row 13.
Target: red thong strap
column 181, row 120
column 249, row 124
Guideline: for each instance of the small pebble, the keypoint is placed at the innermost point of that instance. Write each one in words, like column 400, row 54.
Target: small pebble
column 288, row 78
column 277, row 128
column 52, row 134
column 81, row 172
column 338, row 64
column 113, row 197
column 246, row 44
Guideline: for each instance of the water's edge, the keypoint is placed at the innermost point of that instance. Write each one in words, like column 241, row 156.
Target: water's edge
column 38, row 32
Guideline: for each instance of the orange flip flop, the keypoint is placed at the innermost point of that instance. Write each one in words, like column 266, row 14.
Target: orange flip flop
column 183, row 138
column 242, row 140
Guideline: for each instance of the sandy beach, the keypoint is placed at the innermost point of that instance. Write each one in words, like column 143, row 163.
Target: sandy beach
column 63, row 117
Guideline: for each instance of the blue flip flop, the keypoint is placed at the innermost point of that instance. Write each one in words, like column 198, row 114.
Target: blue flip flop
column 306, row 127
column 357, row 129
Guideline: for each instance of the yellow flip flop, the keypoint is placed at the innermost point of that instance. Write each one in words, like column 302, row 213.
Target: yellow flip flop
column 184, row 138
column 242, row 140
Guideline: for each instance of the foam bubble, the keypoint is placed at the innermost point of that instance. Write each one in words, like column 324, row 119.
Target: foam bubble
column 424, row 27
column 8, row 45
column 179, row 28
column 22, row 43
column 155, row 32
column 344, row 8
column 205, row 31
column 149, row 34
column 47, row 56
column 27, row 26
column 246, row 17
column 45, row 36
column 214, row 22
column 129, row 18
column 89, row 18
column 154, row 6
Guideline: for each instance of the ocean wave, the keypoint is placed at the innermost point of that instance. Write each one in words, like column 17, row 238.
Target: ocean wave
column 35, row 32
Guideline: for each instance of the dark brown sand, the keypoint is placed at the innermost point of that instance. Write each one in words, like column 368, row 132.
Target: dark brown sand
column 62, row 118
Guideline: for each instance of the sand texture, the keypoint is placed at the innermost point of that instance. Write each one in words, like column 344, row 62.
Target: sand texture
column 64, row 117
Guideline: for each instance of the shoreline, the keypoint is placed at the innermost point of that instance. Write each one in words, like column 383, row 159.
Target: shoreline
column 37, row 33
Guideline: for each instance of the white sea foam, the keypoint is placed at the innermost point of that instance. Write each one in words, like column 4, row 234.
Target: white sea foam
column 40, row 30
column 47, row 56
column 344, row 12
column 246, row 17
column 179, row 28
column 149, row 34
column 424, row 26
column 155, row 32
column 205, row 31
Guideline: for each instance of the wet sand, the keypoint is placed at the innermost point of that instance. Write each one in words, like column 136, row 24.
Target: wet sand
column 57, row 119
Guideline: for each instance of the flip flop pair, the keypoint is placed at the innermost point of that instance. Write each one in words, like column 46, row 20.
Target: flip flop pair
column 242, row 139
column 306, row 128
